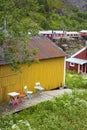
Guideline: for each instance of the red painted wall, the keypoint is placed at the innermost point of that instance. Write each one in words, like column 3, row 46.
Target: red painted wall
column 83, row 34
column 72, row 68
column 75, row 68
column 82, row 55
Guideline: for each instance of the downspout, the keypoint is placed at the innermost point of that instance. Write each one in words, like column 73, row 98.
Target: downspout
column 64, row 72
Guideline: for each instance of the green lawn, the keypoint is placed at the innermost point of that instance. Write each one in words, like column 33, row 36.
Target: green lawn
column 74, row 80
column 67, row 112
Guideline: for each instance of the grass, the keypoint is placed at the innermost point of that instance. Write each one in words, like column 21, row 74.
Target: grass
column 67, row 112
column 75, row 80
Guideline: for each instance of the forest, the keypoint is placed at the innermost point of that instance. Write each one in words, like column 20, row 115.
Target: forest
column 23, row 16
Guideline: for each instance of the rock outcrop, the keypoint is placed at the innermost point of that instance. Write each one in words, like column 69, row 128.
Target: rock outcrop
column 80, row 4
column 70, row 46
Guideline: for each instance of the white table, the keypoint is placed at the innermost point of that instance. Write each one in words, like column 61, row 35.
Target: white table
column 13, row 94
column 14, row 97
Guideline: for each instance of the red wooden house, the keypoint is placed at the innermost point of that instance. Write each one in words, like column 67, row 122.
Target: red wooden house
column 78, row 61
column 83, row 33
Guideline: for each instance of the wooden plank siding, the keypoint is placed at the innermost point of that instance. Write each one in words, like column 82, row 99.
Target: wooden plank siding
column 49, row 72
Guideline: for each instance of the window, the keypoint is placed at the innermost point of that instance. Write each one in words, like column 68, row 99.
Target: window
column 72, row 64
column 49, row 35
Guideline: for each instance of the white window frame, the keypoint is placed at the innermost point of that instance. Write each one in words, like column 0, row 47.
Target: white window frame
column 72, row 64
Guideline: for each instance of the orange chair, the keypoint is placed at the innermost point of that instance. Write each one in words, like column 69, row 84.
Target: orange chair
column 21, row 96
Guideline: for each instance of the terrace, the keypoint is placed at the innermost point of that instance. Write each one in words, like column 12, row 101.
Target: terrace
column 6, row 108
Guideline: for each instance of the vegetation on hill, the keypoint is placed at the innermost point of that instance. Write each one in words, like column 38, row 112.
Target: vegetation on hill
column 19, row 17
column 24, row 16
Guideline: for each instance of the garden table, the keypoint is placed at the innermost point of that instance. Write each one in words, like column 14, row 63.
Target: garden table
column 14, row 98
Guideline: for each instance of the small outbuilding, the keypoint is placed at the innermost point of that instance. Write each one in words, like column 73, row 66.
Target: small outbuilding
column 50, row 71
column 78, row 61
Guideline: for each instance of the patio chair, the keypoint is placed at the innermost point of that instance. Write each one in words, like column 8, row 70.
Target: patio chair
column 21, row 95
column 27, row 92
column 38, row 88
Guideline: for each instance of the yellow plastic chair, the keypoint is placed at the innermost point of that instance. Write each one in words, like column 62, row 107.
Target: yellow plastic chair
column 27, row 92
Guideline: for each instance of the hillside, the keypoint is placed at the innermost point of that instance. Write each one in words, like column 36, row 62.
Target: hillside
column 70, row 46
column 80, row 4
column 22, row 16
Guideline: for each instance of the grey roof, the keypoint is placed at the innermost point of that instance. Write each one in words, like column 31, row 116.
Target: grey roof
column 76, row 60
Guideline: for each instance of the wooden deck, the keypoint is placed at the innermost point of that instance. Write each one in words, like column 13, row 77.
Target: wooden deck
column 5, row 108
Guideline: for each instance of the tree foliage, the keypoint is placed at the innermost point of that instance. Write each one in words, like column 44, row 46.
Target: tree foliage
column 23, row 16
column 17, row 26
column 18, row 18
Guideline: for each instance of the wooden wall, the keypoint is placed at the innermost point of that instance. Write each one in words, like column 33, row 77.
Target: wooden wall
column 50, row 73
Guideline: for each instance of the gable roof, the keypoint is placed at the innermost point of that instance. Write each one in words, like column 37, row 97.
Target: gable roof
column 78, row 52
column 46, row 49
column 78, row 60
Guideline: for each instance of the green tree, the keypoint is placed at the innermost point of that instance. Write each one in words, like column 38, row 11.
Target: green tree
column 15, row 30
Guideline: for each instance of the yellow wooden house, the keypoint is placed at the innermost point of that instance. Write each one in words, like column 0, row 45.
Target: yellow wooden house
column 50, row 71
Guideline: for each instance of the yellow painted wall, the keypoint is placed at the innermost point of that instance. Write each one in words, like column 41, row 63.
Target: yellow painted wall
column 50, row 73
